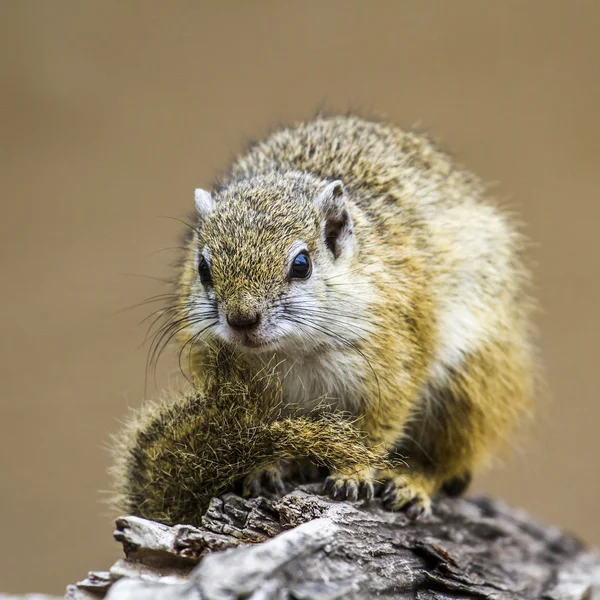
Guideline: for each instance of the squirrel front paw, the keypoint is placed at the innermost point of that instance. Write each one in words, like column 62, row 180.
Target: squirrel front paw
column 265, row 481
column 354, row 486
column 407, row 493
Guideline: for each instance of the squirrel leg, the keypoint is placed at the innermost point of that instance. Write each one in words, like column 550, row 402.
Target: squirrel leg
column 304, row 471
column 357, row 482
column 412, row 491
column 455, row 426
column 266, row 480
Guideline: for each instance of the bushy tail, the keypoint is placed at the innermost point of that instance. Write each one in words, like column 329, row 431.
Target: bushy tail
column 173, row 457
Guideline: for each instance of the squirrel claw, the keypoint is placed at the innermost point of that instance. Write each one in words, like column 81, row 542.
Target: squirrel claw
column 352, row 489
column 416, row 511
column 264, row 481
column 366, row 491
column 401, row 494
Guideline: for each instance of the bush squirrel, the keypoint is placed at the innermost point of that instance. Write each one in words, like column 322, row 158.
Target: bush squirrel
column 373, row 279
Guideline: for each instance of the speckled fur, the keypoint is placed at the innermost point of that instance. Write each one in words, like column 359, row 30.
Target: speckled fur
column 176, row 454
column 419, row 328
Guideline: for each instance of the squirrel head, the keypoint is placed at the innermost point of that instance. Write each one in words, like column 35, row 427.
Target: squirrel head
column 270, row 254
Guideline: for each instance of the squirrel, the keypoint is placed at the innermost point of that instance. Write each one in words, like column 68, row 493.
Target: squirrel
column 377, row 280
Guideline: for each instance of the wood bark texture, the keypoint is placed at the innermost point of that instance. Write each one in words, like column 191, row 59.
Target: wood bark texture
column 307, row 547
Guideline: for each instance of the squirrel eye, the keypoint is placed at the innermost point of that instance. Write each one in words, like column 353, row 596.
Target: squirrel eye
column 204, row 271
column 301, row 267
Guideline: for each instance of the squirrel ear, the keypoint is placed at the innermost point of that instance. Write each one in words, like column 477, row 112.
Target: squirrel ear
column 204, row 202
column 332, row 206
column 331, row 200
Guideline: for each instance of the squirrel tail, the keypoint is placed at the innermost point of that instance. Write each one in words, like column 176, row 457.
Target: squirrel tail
column 173, row 456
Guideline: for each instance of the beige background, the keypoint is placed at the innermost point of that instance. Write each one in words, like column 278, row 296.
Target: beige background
column 112, row 112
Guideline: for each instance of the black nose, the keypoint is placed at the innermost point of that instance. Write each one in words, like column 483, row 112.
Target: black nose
column 243, row 321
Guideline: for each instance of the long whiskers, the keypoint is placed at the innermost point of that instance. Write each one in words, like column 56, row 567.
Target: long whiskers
column 325, row 317
column 192, row 342
column 178, row 320
column 189, row 225
column 151, row 300
column 337, row 338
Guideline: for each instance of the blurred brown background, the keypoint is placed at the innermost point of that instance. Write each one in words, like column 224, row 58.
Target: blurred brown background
column 112, row 112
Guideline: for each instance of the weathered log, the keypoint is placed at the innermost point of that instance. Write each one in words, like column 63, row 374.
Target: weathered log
column 307, row 547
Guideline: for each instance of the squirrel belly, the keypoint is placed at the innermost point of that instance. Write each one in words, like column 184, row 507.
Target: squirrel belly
column 376, row 280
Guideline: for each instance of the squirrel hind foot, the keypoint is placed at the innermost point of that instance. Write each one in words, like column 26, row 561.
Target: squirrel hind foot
column 457, row 486
column 406, row 493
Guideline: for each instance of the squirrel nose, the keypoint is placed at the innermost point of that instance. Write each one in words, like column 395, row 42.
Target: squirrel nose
column 240, row 321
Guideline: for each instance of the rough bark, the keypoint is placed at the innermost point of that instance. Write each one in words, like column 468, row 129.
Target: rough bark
column 307, row 547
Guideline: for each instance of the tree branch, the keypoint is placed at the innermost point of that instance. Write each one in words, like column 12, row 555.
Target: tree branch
column 307, row 547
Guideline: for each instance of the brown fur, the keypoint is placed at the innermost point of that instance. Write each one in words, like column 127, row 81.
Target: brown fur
column 427, row 312
column 175, row 455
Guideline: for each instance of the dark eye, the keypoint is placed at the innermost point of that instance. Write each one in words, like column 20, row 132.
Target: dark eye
column 204, row 271
column 301, row 267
